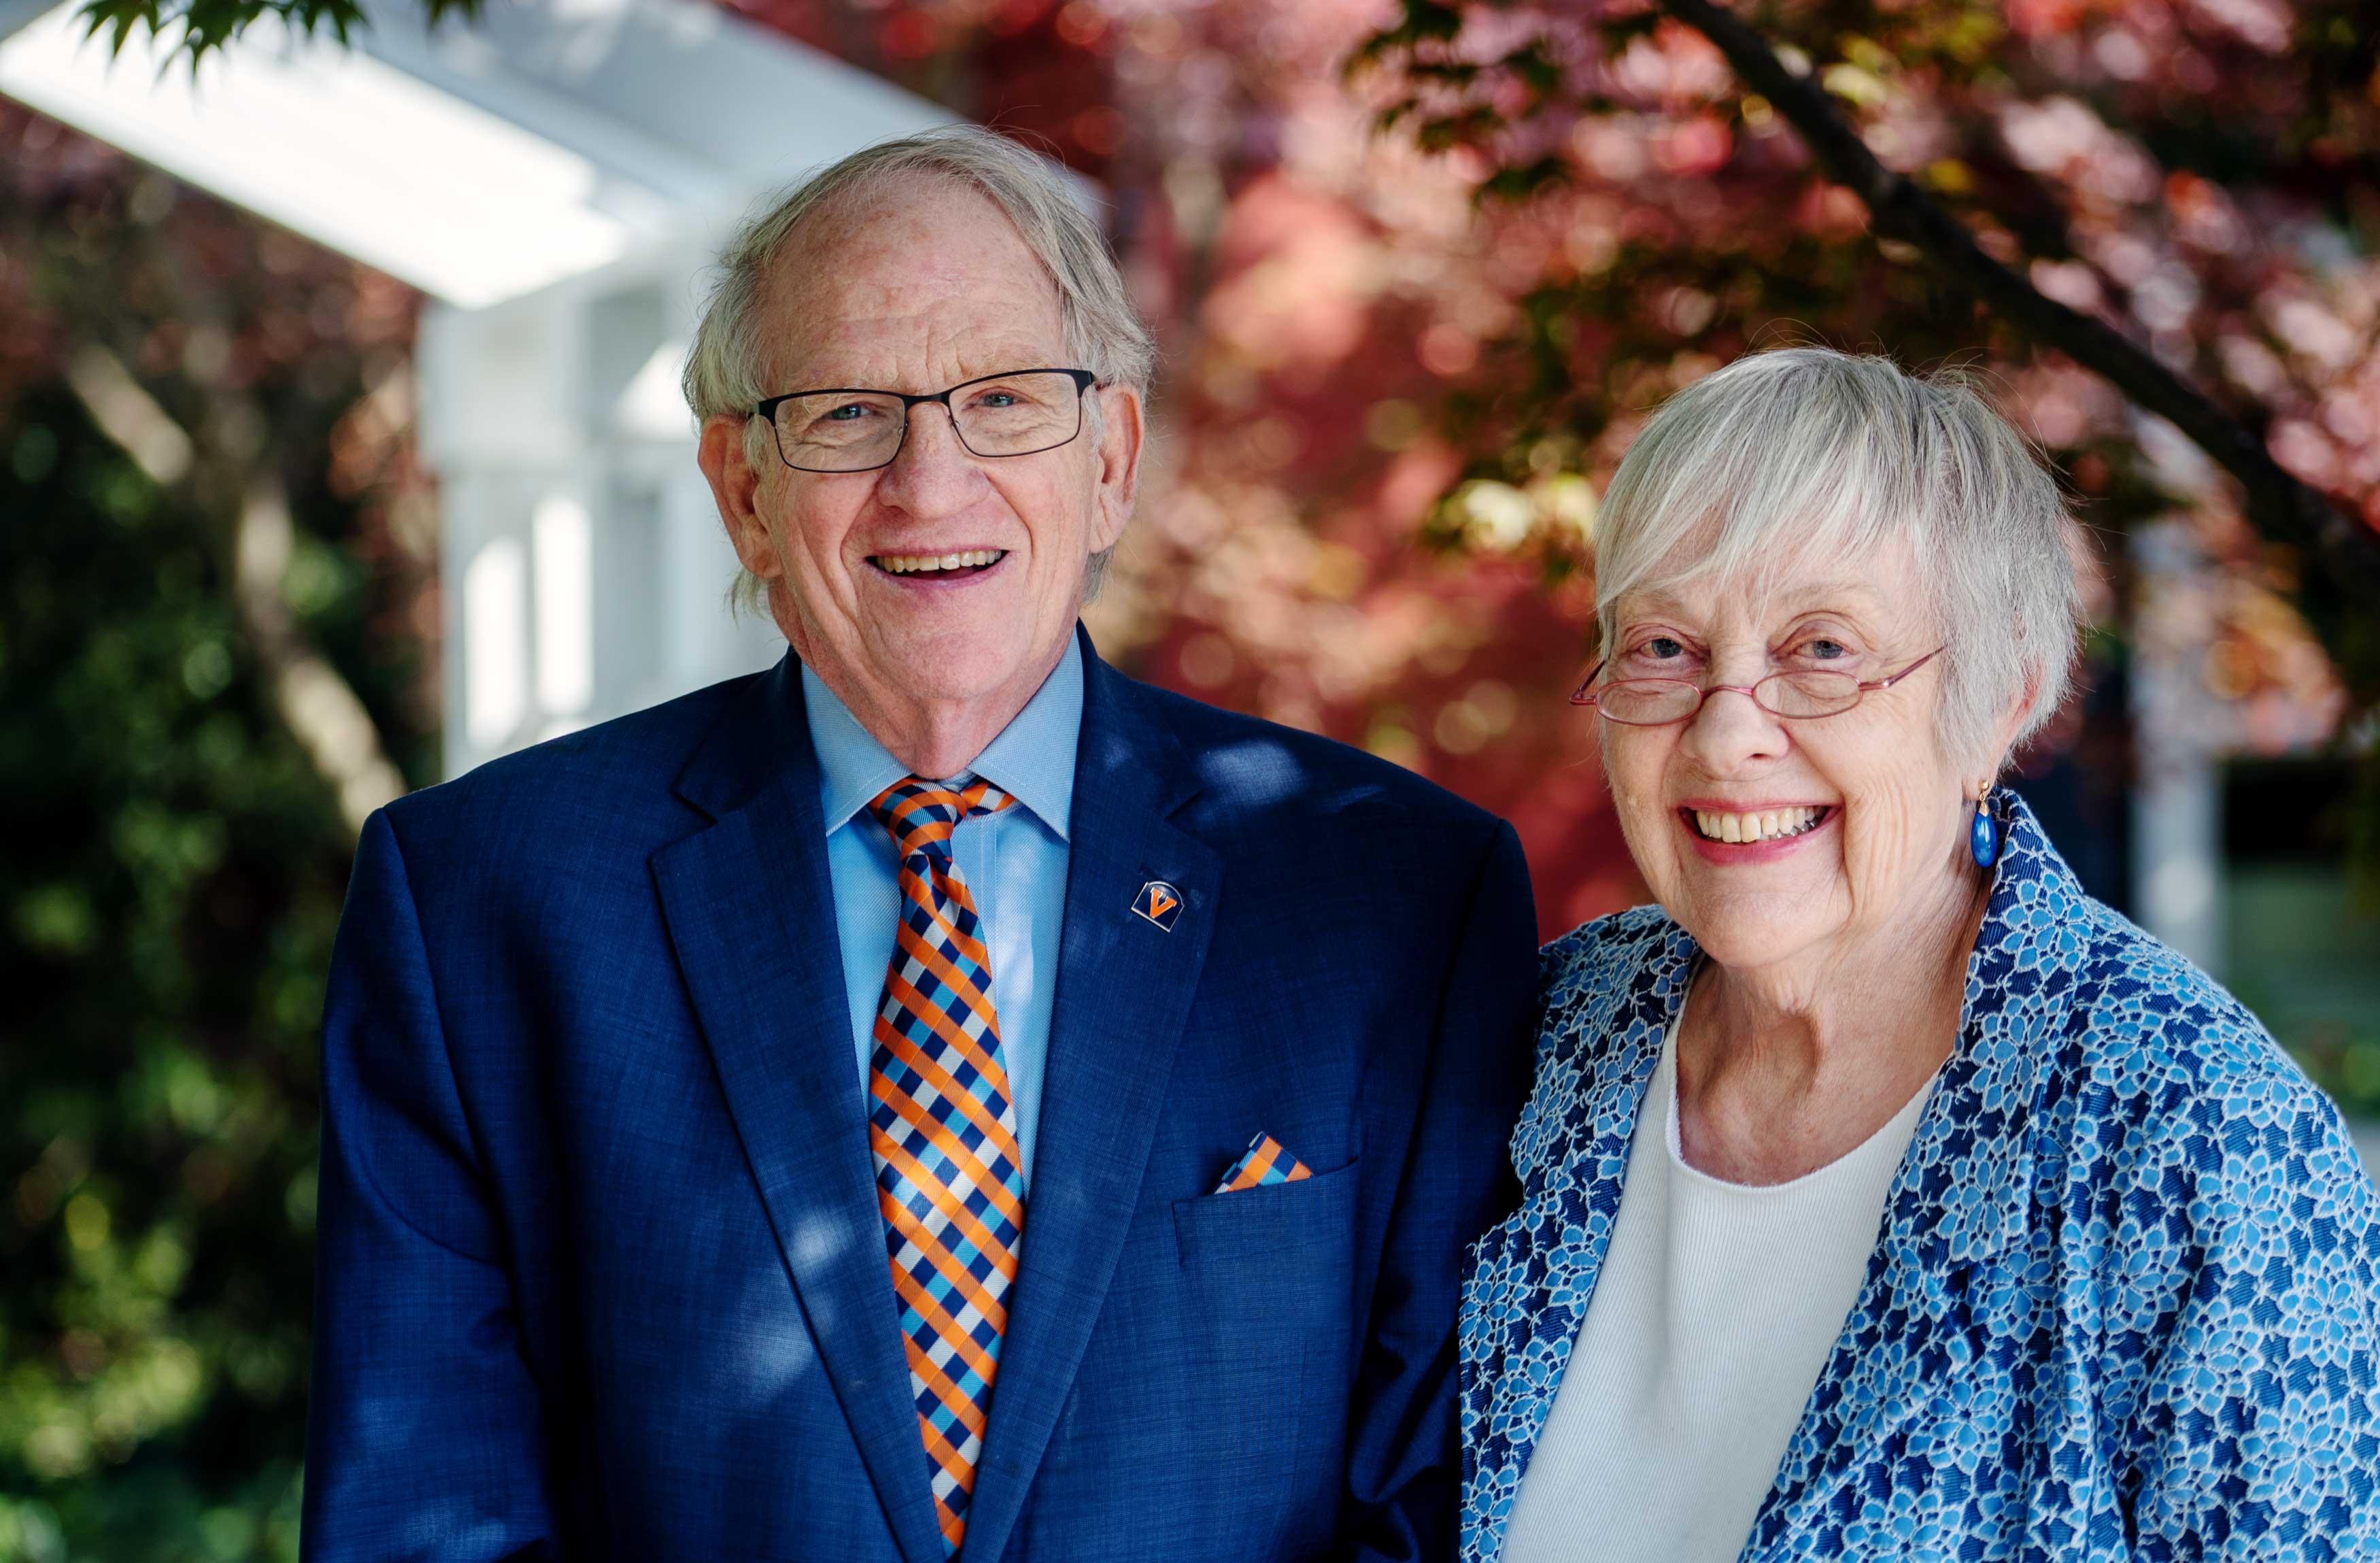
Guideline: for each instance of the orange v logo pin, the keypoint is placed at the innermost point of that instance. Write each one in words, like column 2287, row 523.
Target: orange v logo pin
column 1159, row 903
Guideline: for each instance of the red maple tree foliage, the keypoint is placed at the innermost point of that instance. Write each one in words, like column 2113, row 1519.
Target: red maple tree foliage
column 1421, row 271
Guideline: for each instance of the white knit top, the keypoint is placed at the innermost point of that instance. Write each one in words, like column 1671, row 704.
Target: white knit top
column 1716, row 1308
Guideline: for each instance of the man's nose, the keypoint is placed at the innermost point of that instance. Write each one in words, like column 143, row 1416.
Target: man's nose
column 934, row 471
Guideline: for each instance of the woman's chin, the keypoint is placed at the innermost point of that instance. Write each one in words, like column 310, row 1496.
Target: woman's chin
column 1755, row 949
column 1746, row 931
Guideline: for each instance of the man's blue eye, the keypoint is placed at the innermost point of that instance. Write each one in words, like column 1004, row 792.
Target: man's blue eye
column 1000, row 398
column 847, row 412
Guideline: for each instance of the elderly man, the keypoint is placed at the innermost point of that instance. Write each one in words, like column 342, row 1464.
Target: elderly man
column 937, row 1095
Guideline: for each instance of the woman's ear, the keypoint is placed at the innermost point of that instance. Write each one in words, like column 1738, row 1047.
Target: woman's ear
column 2017, row 719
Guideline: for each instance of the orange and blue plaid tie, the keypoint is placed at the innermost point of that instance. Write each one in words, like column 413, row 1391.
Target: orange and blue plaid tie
column 950, row 1178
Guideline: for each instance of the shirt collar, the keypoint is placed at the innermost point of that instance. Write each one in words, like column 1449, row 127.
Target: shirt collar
column 1033, row 758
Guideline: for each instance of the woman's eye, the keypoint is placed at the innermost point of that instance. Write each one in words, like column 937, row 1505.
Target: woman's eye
column 1823, row 650
column 1661, row 649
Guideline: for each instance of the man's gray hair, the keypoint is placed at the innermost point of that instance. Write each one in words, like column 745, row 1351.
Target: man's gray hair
column 1103, row 333
column 1805, row 452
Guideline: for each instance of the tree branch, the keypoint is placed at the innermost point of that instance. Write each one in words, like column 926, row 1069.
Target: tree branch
column 2285, row 508
column 317, row 705
column 328, row 720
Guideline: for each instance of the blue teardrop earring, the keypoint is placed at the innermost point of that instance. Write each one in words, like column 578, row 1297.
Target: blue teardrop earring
column 1983, row 833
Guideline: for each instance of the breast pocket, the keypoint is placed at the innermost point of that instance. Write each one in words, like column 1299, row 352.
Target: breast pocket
column 1314, row 1217
column 1215, row 1389
column 1272, row 1272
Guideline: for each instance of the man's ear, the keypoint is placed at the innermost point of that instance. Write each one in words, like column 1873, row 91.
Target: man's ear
column 734, row 486
column 1119, row 470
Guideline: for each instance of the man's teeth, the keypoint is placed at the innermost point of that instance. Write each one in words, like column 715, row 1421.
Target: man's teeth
column 1767, row 825
column 911, row 564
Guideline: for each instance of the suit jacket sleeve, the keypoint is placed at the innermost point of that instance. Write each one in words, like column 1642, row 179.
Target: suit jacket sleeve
column 424, row 1437
column 1404, row 1473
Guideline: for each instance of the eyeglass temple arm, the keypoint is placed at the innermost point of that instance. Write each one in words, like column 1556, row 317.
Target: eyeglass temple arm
column 1897, row 677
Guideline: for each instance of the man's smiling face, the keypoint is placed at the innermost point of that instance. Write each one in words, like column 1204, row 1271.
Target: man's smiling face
column 916, row 290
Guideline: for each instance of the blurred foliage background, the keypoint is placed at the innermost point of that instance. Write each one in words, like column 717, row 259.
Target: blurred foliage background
column 175, row 858
column 1399, row 368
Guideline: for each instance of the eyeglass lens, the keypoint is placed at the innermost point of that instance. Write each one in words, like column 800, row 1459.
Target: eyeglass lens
column 854, row 431
column 1655, row 700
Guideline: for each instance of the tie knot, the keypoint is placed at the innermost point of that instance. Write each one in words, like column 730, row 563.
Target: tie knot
column 921, row 815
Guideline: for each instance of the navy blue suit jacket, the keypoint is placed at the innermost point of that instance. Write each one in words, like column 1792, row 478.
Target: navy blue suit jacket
column 601, row 1272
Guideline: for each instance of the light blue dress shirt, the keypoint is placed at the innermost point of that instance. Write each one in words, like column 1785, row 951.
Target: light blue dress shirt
column 1015, row 865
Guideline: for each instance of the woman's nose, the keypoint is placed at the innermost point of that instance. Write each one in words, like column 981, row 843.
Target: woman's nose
column 1733, row 730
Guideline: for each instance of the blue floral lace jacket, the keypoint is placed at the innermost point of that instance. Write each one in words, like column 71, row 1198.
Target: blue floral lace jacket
column 2123, row 1303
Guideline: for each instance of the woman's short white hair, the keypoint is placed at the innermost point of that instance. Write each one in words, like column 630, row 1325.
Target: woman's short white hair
column 724, row 373
column 1805, row 452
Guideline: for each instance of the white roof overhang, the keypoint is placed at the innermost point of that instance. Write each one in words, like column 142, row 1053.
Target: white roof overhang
column 479, row 163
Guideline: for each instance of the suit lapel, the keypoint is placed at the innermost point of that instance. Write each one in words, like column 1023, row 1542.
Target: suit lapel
column 1125, row 988
column 751, row 912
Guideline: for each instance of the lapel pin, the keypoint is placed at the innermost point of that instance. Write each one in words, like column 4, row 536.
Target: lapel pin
column 1159, row 903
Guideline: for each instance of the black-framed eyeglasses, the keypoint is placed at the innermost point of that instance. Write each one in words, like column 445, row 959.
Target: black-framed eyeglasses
column 1657, row 702
column 846, row 429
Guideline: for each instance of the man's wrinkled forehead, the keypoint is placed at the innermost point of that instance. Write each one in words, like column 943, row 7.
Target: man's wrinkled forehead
column 909, row 286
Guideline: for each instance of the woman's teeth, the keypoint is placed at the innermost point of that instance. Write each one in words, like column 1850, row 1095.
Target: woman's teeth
column 915, row 563
column 1769, row 824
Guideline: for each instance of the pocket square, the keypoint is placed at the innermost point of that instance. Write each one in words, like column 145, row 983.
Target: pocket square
column 1264, row 1164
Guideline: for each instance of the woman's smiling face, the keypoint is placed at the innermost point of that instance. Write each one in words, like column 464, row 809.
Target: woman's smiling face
column 1845, row 828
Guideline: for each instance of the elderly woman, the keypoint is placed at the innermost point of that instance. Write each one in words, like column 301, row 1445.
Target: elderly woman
column 1884, row 1194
